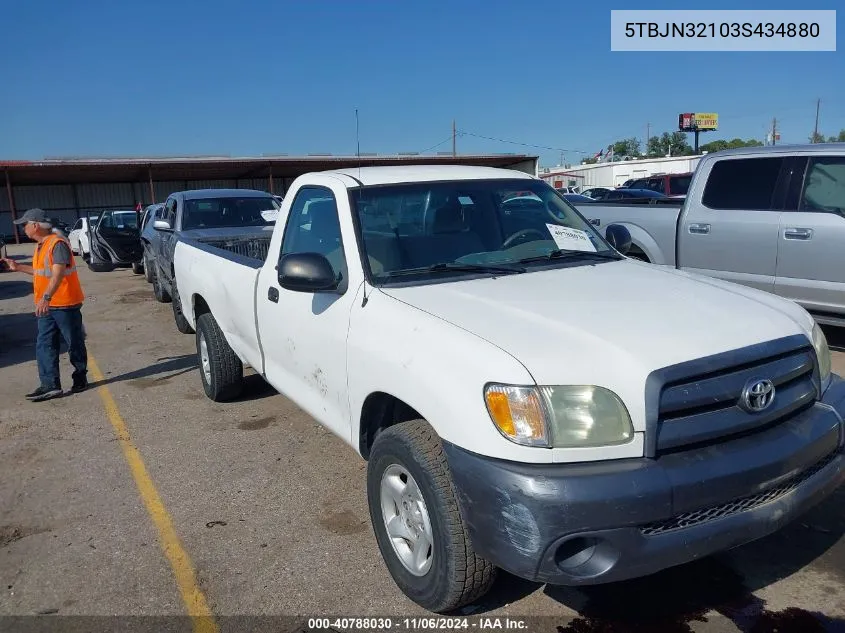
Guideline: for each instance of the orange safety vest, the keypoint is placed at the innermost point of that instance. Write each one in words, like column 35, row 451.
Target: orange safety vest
column 69, row 292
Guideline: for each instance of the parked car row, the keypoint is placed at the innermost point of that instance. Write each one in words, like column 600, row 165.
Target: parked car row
column 229, row 217
column 525, row 395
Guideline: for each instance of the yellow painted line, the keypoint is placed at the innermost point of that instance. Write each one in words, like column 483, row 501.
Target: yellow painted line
column 180, row 562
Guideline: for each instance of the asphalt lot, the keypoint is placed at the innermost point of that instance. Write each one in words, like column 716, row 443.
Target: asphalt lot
column 270, row 509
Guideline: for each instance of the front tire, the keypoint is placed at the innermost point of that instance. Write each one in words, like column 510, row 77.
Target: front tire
column 178, row 316
column 148, row 269
column 221, row 371
column 160, row 293
column 417, row 521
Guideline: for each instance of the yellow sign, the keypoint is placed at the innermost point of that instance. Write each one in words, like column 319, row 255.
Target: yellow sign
column 706, row 120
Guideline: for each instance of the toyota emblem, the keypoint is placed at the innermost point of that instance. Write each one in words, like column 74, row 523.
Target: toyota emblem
column 757, row 395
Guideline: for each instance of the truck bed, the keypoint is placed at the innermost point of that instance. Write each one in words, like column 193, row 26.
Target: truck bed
column 653, row 227
column 248, row 247
column 222, row 273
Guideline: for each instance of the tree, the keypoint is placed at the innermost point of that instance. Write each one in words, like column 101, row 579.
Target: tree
column 674, row 143
column 626, row 147
column 719, row 145
column 819, row 138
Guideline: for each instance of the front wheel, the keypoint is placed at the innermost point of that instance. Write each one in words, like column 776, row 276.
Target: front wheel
column 221, row 371
column 178, row 316
column 148, row 269
column 161, row 295
column 417, row 522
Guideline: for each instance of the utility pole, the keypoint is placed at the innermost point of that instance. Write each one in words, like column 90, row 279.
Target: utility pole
column 454, row 153
column 647, row 135
column 774, row 130
column 816, row 128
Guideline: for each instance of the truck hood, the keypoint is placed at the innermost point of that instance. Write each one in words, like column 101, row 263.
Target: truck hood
column 228, row 232
column 609, row 324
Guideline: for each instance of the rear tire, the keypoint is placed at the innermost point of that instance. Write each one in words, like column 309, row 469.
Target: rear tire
column 178, row 316
column 410, row 456
column 138, row 268
column 221, row 371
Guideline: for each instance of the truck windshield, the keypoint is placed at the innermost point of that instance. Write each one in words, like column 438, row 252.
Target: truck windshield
column 212, row 213
column 407, row 229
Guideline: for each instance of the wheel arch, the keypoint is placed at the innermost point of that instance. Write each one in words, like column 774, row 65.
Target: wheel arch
column 380, row 411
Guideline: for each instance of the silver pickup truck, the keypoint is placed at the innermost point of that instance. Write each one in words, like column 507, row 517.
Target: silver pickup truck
column 768, row 217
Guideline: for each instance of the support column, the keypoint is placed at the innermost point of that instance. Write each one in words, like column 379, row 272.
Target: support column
column 12, row 207
column 271, row 179
column 152, row 189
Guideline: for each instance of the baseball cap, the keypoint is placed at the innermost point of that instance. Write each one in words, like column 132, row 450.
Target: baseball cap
column 33, row 215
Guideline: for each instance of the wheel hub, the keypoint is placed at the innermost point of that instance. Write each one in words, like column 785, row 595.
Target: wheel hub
column 406, row 520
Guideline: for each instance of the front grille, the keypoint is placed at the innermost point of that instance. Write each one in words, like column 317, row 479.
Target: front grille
column 706, row 408
column 697, row 517
column 251, row 247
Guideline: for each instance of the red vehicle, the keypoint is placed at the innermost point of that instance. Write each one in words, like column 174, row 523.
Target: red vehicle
column 672, row 185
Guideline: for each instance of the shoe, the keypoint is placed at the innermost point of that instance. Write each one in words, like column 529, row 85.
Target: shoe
column 79, row 385
column 43, row 394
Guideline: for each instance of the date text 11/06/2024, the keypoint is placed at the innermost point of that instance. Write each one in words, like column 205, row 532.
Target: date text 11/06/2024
column 723, row 29
column 418, row 624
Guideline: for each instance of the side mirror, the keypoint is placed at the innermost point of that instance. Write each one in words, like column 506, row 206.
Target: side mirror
column 619, row 237
column 306, row 272
column 162, row 225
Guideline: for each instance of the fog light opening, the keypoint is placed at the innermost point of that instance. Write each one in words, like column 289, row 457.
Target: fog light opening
column 586, row 557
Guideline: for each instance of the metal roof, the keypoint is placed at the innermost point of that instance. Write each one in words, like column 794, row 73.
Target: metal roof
column 105, row 170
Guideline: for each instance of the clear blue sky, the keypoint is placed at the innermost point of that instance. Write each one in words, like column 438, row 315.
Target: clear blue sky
column 268, row 76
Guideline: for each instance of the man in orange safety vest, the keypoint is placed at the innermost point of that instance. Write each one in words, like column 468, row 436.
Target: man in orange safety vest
column 58, row 300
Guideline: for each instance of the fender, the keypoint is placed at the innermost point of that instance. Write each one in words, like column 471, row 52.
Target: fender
column 643, row 240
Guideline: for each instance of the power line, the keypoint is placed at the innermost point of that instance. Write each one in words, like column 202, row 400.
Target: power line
column 501, row 140
column 443, row 142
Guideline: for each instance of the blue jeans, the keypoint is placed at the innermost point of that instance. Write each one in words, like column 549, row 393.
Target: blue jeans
column 60, row 324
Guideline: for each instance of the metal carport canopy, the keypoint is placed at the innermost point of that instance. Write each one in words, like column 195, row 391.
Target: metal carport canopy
column 113, row 170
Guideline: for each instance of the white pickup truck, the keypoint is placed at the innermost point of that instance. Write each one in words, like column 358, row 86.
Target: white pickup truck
column 527, row 398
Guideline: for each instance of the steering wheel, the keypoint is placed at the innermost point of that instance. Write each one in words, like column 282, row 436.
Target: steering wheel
column 522, row 233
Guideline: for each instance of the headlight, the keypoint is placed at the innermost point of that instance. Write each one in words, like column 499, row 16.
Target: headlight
column 822, row 352
column 572, row 416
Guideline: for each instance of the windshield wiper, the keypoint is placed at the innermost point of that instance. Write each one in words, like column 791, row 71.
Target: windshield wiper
column 560, row 253
column 456, row 266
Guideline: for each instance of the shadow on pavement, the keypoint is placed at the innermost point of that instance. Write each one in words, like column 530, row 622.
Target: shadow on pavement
column 169, row 367
column 14, row 288
column 17, row 338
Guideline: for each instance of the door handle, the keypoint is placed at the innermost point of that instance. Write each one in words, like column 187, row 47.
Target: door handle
column 273, row 294
column 701, row 229
column 595, row 221
column 797, row 234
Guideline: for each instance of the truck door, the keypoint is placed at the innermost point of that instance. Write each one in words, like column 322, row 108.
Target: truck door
column 167, row 242
column 729, row 226
column 303, row 334
column 811, row 255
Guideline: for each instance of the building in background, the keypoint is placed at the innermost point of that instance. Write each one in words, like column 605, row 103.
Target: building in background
column 613, row 174
column 70, row 188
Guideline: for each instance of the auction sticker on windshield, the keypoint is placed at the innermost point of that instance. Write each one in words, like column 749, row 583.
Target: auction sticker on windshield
column 570, row 239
